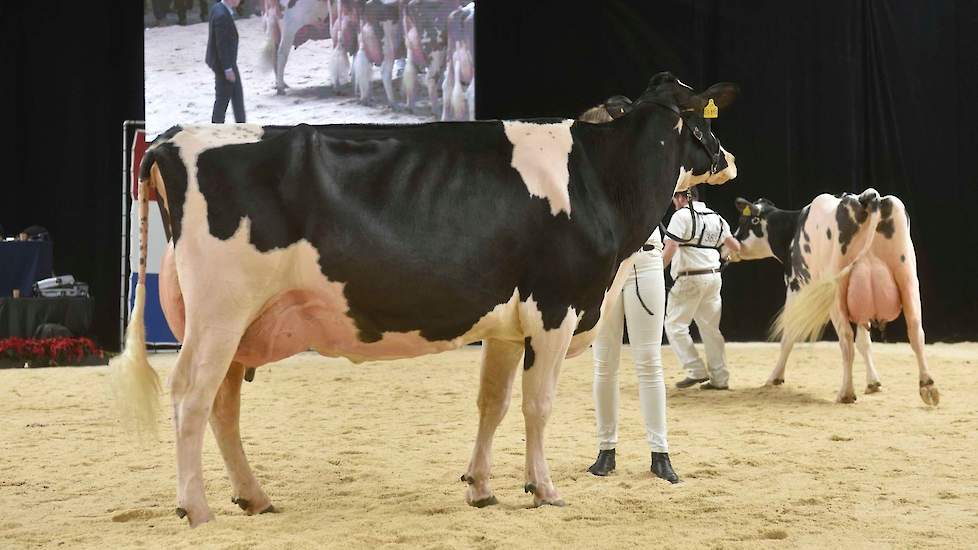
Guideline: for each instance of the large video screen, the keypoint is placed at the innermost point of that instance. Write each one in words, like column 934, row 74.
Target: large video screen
column 308, row 61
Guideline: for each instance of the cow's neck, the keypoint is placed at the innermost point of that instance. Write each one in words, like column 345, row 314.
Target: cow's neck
column 641, row 170
column 782, row 226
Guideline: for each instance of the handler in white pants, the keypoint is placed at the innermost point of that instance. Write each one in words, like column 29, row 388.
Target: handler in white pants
column 695, row 295
column 642, row 304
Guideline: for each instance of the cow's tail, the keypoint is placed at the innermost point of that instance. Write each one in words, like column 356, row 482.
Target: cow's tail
column 273, row 35
column 803, row 318
column 134, row 383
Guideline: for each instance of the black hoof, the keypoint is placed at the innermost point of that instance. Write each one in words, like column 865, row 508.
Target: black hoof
column 241, row 502
column 269, row 510
column 466, row 478
column 181, row 513
column 778, row 381
column 250, row 374
column 604, row 464
column 488, row 501
column 530, row 488
column 662, row 468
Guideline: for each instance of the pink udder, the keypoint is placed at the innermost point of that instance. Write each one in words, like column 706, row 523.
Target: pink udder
column 872, row 294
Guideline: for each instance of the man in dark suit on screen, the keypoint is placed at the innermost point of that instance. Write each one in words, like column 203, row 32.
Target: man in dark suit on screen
column 222, row 58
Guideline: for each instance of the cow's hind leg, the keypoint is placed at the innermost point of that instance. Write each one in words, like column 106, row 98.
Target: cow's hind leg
column 225, row 417
column 910, row 298
column 545, row 350
column 500, row 361
column 863, row 344
column 777, row 375
column 201, row 368
column 842, row 327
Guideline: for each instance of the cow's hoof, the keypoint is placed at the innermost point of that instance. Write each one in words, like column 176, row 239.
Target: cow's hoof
column 242, row 503
column 929, row 392
column 846, row 398
column 484, row 502
column 279, row 91
column 775, row 382
column 875, row 387
column 250, row 374
column 557, row 503
column 193, row 520
column 270, row 509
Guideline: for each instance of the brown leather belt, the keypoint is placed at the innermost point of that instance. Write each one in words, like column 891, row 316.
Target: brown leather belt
column 698, row 272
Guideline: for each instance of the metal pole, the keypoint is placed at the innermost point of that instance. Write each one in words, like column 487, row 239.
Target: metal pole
column 124, row 264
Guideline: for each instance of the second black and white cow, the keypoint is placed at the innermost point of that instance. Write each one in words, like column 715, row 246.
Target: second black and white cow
column 846, row 258
column 379, row 242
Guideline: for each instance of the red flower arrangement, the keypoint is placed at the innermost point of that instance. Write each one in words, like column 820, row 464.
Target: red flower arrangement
column 49, row 351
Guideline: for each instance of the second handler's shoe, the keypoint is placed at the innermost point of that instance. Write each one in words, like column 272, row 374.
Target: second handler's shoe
column 604, row 464
column 688, row 382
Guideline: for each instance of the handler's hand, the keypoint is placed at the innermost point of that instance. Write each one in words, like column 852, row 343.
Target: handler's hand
column 229, row 75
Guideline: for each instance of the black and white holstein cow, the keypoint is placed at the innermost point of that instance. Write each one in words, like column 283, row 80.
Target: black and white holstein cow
column 382, row 242
column 426, row 42
column 289, row 24
column 849, row 259
column 458, row 87
column 380, row 41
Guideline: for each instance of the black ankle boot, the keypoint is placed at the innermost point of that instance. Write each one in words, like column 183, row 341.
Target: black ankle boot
column 604, row 464
column 662, row 468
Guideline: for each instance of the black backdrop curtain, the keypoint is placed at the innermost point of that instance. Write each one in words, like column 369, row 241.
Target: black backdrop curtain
column 837, row 95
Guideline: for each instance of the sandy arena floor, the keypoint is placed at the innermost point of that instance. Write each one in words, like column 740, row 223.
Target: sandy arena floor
column 369, row 456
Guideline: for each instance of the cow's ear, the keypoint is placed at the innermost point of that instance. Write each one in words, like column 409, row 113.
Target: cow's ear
column 618, row 106
column 722, row 94
column 744, row 206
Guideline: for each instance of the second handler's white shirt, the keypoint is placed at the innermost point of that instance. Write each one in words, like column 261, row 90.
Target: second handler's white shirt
column 712, row 227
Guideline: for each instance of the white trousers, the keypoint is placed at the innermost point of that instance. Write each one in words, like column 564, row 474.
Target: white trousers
column 645, row 338
column 697, row 298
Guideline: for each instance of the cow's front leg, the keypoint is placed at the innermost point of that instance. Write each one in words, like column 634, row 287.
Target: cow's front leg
column 387, row 67
column 544, row 351
column 409, row 83
column 500, row 361
column 447, row 85
column 863, row 344
column 777, row 375
column 225, row 417
column 199, row 372
column 435, row 69
column 847, row 393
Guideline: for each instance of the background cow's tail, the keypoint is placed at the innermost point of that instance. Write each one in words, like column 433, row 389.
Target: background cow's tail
column 804, row 317
column 135, row 384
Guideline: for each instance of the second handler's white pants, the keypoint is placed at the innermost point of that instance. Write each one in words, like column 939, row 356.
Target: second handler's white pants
column 697, row 298
column 645, row 338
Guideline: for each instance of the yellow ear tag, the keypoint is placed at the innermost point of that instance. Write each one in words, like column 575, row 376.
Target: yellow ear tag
column 746, row 211
column 710, row 111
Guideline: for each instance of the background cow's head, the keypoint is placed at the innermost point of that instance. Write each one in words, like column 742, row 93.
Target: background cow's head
column 752, row 228
column 704, row 160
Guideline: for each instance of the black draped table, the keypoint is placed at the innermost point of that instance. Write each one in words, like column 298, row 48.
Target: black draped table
column 23, row 263
column 21, row 316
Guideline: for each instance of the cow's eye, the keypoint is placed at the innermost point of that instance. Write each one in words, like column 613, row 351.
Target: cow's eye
column 755, row 220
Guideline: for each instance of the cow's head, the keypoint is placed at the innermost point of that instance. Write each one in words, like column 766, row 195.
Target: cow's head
column 704, row 160
column 752, row 228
